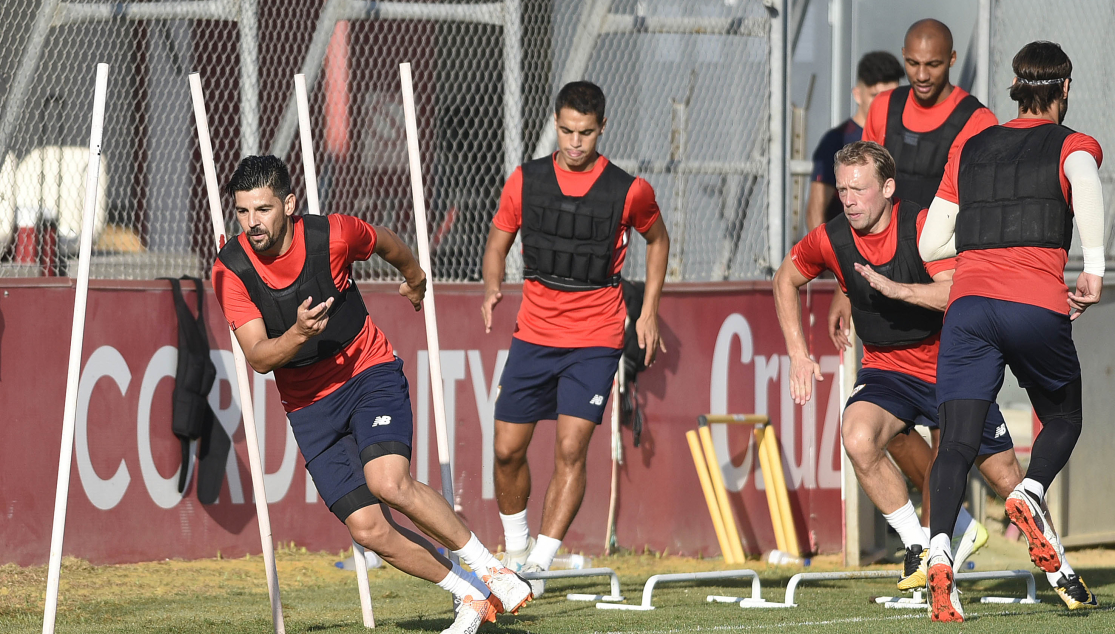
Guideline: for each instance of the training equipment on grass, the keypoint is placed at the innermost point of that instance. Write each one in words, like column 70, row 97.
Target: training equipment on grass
column 586, row 572
column 437, row 388
column 648, row 588
column 77, row 337
column 250, row 437
column 918, row 600
column 313, row 206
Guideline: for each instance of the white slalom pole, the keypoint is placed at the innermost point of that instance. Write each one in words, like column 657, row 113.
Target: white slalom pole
column 77, row 337
column 313, row 206
column 250, row 437
column 436, row 387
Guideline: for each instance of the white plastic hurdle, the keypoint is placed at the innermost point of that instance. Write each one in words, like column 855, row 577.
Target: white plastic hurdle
column 918, row 600
column 795, row 581
column 648, row 588
column 574, row 573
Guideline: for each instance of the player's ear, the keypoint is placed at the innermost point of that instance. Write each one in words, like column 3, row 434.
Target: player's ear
column 288, row 205
column 952, row 60
column 888, row 188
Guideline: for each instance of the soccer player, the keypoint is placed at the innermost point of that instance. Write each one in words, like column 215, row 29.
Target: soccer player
column 876, row 72
column 285, row 286
column 574, row 210
column 897, row 302
column 1005, row 210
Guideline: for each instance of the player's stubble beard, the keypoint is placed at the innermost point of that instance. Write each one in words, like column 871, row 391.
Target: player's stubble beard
column 271, row 240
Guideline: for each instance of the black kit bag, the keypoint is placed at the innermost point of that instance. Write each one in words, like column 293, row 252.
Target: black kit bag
column 192, row 417
column 630, row 414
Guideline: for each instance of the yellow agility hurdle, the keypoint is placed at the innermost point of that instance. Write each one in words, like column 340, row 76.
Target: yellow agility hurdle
column 770, row 462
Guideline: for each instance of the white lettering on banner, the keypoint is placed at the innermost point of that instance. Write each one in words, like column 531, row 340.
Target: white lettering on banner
column 163, row 491
column 278, row 483
column 103, row 494
column 229, row 417
column 486, row 410
column 827, row 476
column 452, row 370
column 734, row 326
column 766, row 371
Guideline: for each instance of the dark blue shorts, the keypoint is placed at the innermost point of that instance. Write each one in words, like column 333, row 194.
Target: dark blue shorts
column 540, row 382
column 981, row 335
column 369, row 415
column 914, row 402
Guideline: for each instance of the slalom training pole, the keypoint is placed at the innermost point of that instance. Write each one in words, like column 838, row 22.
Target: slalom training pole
column 313, row 206
column 77, row 338
column 251, row 440
column 432, row 345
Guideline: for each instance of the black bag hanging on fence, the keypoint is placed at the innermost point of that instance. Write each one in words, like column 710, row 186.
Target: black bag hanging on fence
column 192, row 417
column 633, row 361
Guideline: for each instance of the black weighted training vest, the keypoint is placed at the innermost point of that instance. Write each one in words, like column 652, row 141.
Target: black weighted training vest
column 880, row 320
column 569, row 242
column 1009, row 187
column 279, row 307
column 920, row 157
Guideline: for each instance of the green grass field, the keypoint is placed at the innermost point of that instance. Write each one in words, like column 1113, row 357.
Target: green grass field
column 221, row 595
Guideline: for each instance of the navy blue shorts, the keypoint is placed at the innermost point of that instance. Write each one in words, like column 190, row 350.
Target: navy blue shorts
column 981, row 335
column 914, row 402
column 540, row 382
column 368, row 416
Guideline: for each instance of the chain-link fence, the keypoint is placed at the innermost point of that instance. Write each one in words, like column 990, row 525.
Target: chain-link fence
column 1082, row 28
column 687, row 84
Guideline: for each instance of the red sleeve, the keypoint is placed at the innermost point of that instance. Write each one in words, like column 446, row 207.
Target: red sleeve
column 875, row 128
column 1077, row 142
column 641, row 209
column 947, row 189
column 510, row 214
column 233, row 297
column 356, row 238
column 813, row 255
column 937, row 266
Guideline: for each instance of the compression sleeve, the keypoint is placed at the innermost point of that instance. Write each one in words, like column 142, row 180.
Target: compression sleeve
column 1087, row 205
column 938, row 237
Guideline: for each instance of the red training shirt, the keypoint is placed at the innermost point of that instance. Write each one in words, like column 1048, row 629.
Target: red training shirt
column 576, row 319
column 350, row 239
column 814, row 255
column 917, row 118
column 1028, row 275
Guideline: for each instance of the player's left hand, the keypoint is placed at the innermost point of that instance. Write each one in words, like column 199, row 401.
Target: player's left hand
column 414, row 292
column 647, row 329
column 881, row 283
column 1088, row 289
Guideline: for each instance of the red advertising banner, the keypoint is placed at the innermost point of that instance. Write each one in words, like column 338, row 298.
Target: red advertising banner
column 725, row 355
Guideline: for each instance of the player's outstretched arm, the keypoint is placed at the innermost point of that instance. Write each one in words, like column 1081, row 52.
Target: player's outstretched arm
column 396, row 253
column 495, row 261
column 265, row 354
column 934, row 296
column 803, row 369
column 658, row 255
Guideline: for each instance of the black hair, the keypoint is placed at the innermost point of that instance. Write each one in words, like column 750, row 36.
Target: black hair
column 260, row 171
column 1041, row 69
column 879, row 67
column 583, row 96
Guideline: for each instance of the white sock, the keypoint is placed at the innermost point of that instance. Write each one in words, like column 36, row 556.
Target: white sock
column 925, row 529
column 1066, row 570
column 1033, row 486
column 941, row 544
column 463, row 584
column 545, row 549
column 516, row 532
column 905, row 522
column 477, row 557
column 963, row 521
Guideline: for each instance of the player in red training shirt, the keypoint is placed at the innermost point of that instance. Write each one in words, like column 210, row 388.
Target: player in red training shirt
column 897, row 299
column 1006, row 206
column 285, row 286
column 921, row 125
column 574, row 210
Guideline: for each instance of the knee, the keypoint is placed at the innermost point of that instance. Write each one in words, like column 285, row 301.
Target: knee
column 393, row 489
column 570, row 453
column 509, row 453
column 862, row 444
column 371, row 533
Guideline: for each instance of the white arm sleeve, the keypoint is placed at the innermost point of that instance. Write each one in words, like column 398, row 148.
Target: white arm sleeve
column 938, row 236
column 1087, row 205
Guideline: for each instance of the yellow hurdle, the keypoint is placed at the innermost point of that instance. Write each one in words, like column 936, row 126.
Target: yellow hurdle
column 710, row 496
column 770, row 462
column 717, row 477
